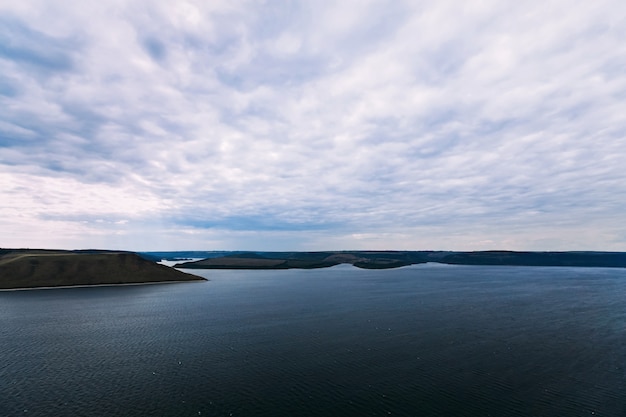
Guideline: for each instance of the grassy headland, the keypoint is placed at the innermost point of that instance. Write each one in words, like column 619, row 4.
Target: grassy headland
column 26, row 268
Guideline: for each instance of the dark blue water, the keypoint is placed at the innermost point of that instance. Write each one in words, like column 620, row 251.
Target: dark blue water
column 426, row 340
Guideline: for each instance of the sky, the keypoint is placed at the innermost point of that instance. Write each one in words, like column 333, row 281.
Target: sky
column 313, row 125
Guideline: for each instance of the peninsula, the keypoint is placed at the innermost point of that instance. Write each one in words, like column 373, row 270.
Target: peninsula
column 31, row 268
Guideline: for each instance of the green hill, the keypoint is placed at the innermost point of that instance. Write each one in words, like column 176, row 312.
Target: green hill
column 48, row 268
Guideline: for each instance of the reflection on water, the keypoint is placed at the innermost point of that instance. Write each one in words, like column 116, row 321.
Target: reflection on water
column 425, row 340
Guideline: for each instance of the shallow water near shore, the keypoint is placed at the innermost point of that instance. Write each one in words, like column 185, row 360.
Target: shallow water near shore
column 425, row 340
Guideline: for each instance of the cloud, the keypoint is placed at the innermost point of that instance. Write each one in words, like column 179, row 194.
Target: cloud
column 243, row 125
column 29, row 48
column 155, row 48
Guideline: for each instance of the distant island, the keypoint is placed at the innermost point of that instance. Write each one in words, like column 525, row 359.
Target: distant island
column 390, row 259
column 31, row 268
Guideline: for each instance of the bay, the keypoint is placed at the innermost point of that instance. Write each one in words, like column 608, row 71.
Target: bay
column 424, row 340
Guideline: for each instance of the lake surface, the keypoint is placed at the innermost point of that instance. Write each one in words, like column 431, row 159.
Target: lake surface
column 425, row 340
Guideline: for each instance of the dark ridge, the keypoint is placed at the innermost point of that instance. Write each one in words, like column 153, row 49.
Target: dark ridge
column 246, row 255
column 179, row 255
column 589, row 259
column 394, row 259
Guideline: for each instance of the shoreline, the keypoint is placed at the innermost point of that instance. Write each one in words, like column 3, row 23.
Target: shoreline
column 98, row 285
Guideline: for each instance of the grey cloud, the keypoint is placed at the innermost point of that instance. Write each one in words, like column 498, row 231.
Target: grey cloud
column 155, row 48
column 8, row 88
column 21, row 43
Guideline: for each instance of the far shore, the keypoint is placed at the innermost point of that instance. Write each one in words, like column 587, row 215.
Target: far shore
column 26, row 269
column 396, row 259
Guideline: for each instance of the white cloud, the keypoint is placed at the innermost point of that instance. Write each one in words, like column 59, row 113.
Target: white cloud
column 314, row 125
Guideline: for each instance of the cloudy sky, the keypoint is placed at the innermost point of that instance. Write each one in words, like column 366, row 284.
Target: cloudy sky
column 313, row 125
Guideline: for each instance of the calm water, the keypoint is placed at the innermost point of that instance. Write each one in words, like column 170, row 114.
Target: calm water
column 427, row 340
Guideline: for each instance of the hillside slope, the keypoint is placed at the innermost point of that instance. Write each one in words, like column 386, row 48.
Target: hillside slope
column 34, row 268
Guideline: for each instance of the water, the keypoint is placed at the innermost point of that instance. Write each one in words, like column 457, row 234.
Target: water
column 425, row 340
